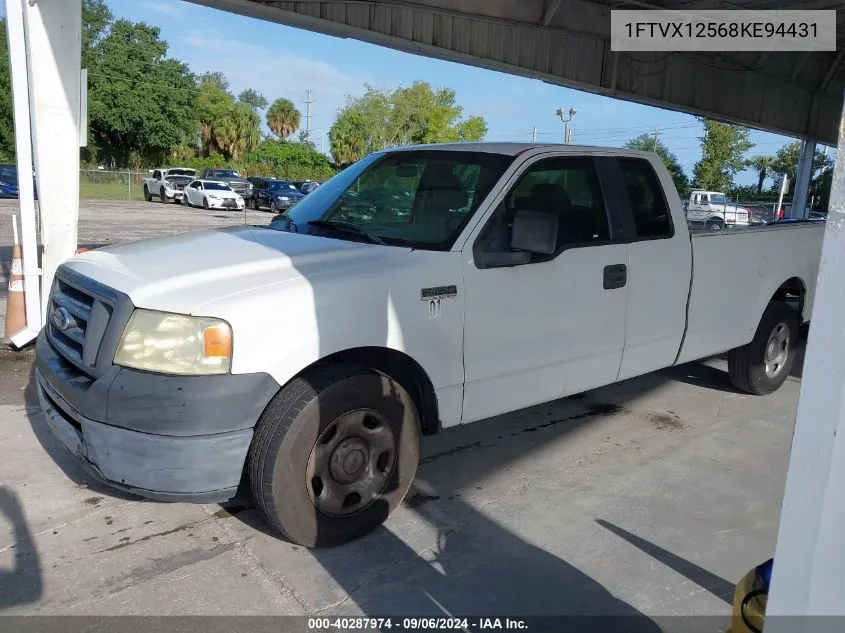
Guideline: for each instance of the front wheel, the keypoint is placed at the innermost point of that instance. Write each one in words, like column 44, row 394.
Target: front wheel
column 205, row 203
column 162, row 196
column 713, row 225
column 334, row 453
column 763, row 365
column 273, row 208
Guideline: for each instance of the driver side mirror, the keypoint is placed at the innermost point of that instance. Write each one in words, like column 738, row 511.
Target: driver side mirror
column 535, row 232
column 532, row 232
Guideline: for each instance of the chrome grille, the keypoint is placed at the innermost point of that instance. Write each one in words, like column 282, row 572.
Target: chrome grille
column 77, row 322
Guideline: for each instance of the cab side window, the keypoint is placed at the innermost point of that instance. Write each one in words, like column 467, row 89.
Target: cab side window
column 566, row 187
column 652, row 219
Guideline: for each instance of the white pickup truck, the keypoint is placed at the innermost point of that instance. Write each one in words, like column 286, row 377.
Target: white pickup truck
column 712, row 210
column 421, row 288
column 168, row 184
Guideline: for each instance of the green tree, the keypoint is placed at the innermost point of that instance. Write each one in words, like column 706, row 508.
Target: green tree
column 786, row 161
column 7, row 126
column 96, row 20
column 648, row 143
column 139, row 101
column 417, row 114
column 722, row 149
column 283, row 118
column 237, row 131
column 227, row 127
column 348, row 137
column 762, row 164
column 253, row 99
column 295, row 161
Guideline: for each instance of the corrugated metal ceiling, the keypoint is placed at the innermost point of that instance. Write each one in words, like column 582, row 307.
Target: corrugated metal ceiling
column 566, row 42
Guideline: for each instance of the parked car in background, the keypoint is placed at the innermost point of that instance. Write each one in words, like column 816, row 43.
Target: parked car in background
column 712, row 210
column 273, row 194
column 212, row 194
column 238, row 183
column 167, row 184
column 9, row 181
column 308, row 187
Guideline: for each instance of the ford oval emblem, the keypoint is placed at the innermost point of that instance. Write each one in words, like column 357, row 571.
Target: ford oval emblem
column 61, row 318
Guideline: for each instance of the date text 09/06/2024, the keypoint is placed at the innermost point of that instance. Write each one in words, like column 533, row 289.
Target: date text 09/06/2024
column 415, row 624
column 692, row 30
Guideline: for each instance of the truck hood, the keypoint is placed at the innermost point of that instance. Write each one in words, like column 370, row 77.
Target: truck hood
column 181, row 273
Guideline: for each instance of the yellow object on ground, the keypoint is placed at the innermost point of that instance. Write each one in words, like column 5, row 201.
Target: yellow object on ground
column 749, row 607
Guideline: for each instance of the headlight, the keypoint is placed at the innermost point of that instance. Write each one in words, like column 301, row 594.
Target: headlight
column 240, row 200
column 175, row 344
column 214, row 196
column 283, row 198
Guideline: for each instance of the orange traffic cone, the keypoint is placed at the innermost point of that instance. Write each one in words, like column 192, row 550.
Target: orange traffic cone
column 15, row 305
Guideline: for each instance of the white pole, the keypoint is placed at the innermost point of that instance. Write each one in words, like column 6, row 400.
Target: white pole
column 16, row 36
column 784, row 185
column 15, row 230
column 54, row 46
column 810, row 553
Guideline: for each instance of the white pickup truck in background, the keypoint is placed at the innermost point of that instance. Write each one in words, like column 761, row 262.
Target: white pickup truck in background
column 312, row 353
column 168, row 184
column 712, row 210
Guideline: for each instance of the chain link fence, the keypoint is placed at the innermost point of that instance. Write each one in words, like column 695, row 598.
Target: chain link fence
column 103, row 184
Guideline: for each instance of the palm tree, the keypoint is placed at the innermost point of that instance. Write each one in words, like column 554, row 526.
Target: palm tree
column 761, row 164
column 283, row 118
column 237, row 131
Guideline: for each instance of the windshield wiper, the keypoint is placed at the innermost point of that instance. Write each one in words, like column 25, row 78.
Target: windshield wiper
column 347, row 227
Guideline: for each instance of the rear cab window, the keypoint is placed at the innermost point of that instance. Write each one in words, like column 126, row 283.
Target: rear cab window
column 652, row 219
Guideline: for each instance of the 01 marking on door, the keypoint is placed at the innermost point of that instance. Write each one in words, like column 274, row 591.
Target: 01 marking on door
column 434, row 309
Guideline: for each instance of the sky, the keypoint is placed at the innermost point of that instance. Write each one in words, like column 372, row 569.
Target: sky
column 281, row 61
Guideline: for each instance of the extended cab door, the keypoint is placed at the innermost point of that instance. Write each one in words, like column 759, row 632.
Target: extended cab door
column 659, row 266
column 556, row 325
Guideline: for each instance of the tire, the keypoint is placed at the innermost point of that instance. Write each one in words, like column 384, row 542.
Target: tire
column 147, row 196
column 292, row 490
column 273, row 208
column 763, row 365
column 255, row 205
column 205, row 203
column 162, row 196
column 713, row 225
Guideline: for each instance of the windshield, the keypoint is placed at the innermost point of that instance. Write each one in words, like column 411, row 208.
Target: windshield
column 225, row 173
column 215, row 186
column 279, row 186
column 418, row 198
column 181, row 172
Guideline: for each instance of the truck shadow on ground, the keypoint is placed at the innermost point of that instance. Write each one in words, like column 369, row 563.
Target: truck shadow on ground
column 474, row 566
column 23, row 582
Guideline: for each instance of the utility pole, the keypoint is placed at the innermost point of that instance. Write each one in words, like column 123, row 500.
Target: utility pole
column 534, row 135
column 654, row 147
column 308, row 102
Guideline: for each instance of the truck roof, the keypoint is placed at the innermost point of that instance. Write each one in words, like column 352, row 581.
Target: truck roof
column 512, row 149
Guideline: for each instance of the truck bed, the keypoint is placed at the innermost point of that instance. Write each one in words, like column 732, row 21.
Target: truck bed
column 735, row 274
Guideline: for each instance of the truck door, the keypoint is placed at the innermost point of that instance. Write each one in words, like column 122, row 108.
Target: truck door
column 554, row 326
column 660, row 261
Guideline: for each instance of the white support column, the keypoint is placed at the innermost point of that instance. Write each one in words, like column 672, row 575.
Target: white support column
column 23, row 144
column 810, row 554
column 54, row 44
column 802, row 179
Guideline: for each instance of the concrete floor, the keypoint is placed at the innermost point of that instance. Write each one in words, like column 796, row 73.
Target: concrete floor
column 649, row 497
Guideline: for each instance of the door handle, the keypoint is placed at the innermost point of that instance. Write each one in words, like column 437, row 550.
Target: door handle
column 615, row 276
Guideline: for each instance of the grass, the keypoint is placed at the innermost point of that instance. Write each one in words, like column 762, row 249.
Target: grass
column 109, row 190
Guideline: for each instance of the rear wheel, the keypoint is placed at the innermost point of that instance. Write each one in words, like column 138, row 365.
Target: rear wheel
column 147, row 195
column 333, row 455
column 763, row 365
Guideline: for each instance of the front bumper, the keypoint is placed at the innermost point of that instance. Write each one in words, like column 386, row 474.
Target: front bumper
column 175, row 438
column 174, row 194
column 222, row 203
